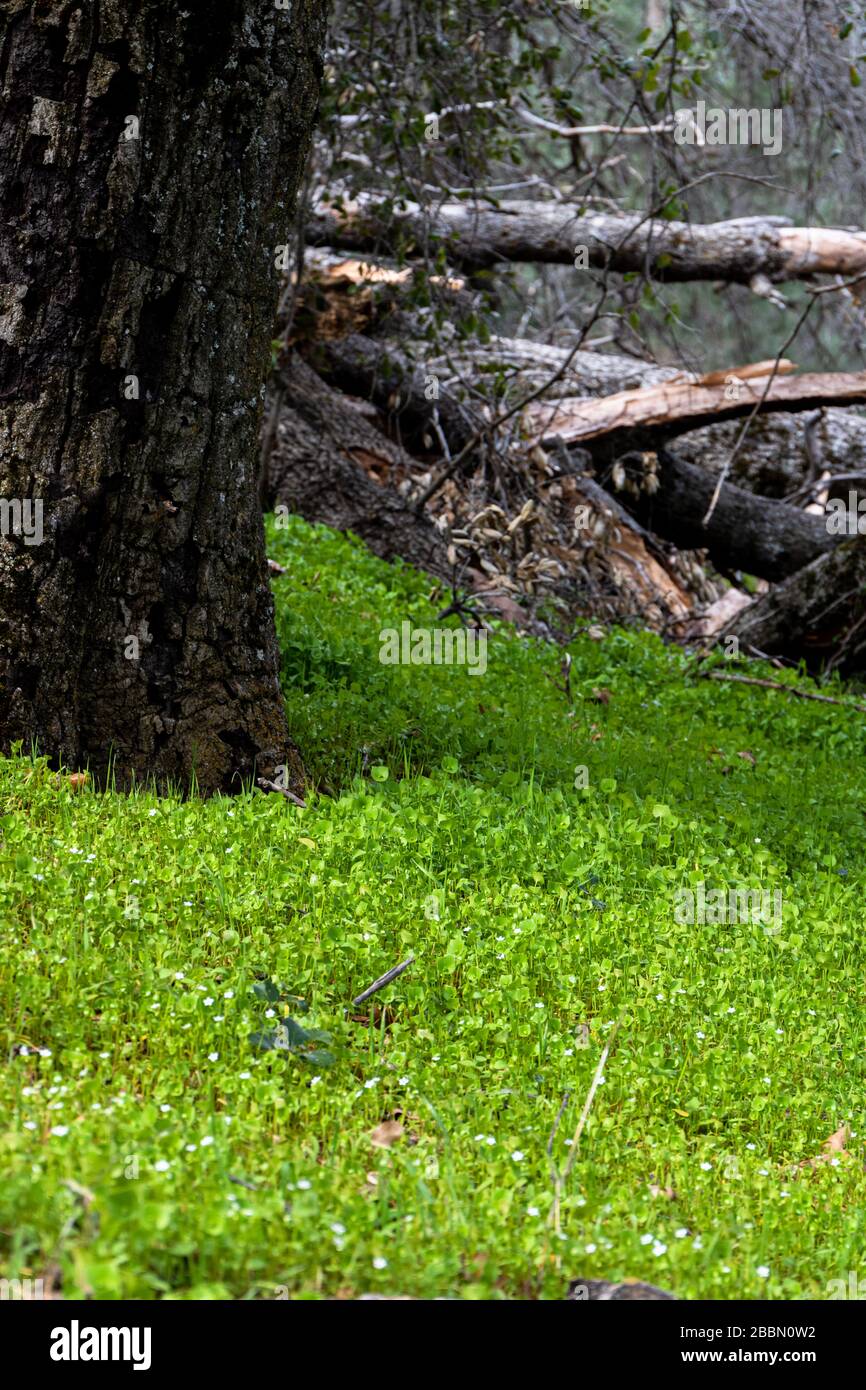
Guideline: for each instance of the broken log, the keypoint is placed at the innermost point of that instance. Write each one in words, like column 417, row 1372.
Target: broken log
column 478, row 236
column 760, row 535
column 640, row 419
column 330, row 465
column 817, row 615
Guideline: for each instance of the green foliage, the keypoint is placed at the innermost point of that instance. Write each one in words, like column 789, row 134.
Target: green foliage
column 143, row 941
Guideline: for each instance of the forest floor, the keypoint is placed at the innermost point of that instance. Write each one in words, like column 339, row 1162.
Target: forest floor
column 154, row 1147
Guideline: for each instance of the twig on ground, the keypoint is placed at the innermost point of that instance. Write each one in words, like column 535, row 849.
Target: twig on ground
column 267, row 786
column 777, row 685
column 382, row 981
column 560, row 1176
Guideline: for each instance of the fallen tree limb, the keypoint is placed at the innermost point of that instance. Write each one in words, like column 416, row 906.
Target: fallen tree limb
column 633, row 419
column 777, row 685
column 757, row 534
column 479, row 235
column 780, row 454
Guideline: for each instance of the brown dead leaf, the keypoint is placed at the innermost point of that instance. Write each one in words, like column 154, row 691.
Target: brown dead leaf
column 747, row 757
column 601, row 695
column 595, row 733
column 597, row 634
column 656, row 1191
column 77, row 780
column 834, row 1147
column 386, row 1134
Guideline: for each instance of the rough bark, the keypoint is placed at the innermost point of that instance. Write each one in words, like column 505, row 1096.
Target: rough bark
column 760, row 535
column 149, row 157
column 330, row 465
column 742, row 250
column 379, row 371
column 817, row 615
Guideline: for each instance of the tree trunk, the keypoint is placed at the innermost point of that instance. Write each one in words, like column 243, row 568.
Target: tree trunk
column 149, row 158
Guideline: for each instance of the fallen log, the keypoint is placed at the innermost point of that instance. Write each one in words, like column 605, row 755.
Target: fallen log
column 331, row 465
column 637, row 419
column 478, row 235
column 817, row 615
column 775, row 458
column 407, row 392
column 760, row 535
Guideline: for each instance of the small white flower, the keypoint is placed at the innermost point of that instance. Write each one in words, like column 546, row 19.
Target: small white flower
column 162, row 1165
column 404, row 1081
column 530, row 1211
column 763, row 1272
column 380, row 1262
column 315, row 1081
column 207, row 1003
column 191, row 1148
column 165, row 1109
column 338, row 1228
column 229, row 994
column 60, row 1130
column 208, row 1139
column 244, row 1075
column 517, row 1156
column 568, row 1052
column 700, row 1035
column 490, row 1140
column 213, row 1056
column 368, row 1085
column 44, row 1052
column 591, row 1248
column 304, row 1184
column 179, row 975
column 659, row 1248
column 706, row 1167
column 647, row 1240
column 151, row 813
column 752, row 1147
column 28, row 1124
column 681, row 1232
column 269, row 1013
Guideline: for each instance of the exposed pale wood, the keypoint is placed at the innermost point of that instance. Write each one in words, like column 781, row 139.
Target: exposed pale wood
column 523, row 230
column 628, row 419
